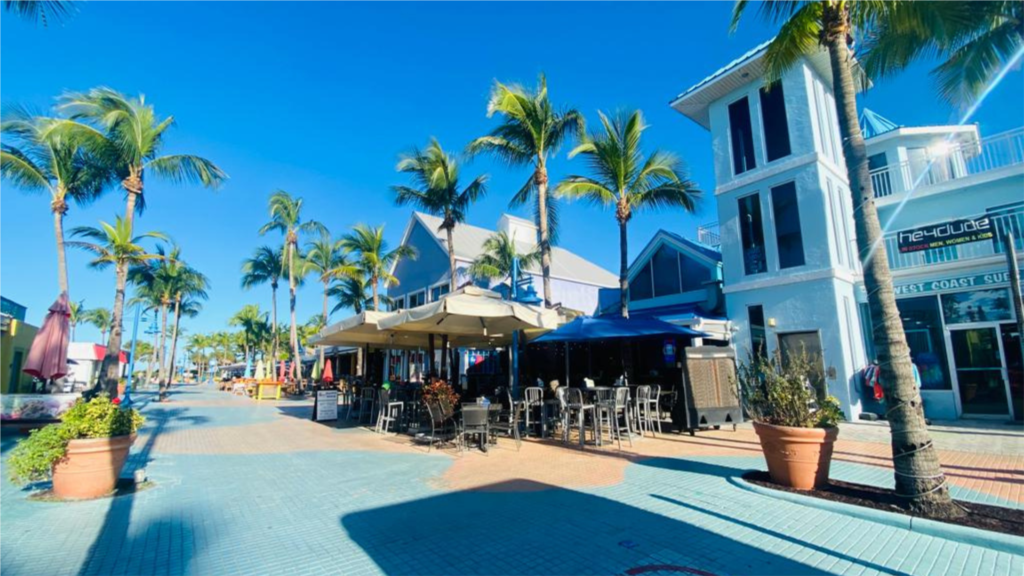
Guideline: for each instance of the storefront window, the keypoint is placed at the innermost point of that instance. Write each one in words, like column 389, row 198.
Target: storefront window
column 977, row 306
column 922, row 325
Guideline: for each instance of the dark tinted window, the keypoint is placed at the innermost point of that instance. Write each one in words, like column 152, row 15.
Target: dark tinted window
column 742, row 137
column 758, row 340
column 922, row 324
column 694, row 273
column 666, row 272
column 773, row 116
column 640, row 286
column 752, row 235
column 787, row 226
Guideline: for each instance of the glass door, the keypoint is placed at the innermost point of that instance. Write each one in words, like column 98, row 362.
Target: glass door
column 979, row 371
column 1014, row 368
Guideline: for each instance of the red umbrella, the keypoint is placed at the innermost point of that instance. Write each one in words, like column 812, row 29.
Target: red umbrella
column 328, row 375
column 48, row 356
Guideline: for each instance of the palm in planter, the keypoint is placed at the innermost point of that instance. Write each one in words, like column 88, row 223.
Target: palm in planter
column 794, row 420
column 83, row 453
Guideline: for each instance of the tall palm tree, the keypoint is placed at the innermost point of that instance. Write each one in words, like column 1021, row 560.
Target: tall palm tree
column 149, row 297
column 286, row 218
column 624, row 178
column 352, row 293
column 265, row 266
column 75, row 316
column 499, row 252
column 373, row 258
column 532, row 130
column 101, row 318
column 249, row 319
column 933, row 28
column 188, row 289
column 41, row 11
column 972, row 40
column 114, row 244
column 156, row 282
column 44, row 160
column 326, row 259
column 435, row 190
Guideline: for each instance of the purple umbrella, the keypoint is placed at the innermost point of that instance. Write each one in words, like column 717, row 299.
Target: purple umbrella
column 48, row 356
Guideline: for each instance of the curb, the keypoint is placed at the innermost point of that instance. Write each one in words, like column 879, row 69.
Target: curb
column 992, row 540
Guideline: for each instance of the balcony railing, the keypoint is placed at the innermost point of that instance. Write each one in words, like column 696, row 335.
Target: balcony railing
column 707, row 234
column 1012, row 220
column 945, row 163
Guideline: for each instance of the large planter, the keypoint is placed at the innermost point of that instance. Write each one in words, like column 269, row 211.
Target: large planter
column 797, row 457
column 91, row 467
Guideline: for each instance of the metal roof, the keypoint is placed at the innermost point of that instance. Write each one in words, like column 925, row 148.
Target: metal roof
column 873, row 124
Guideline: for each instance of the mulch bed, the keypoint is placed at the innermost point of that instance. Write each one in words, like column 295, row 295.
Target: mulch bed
column 983, row 516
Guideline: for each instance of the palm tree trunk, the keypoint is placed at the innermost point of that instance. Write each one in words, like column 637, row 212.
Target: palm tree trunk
column 174, row 348
column 325, row 326
column 376, row 294
column 545, row 242
column 296, row 358
column 453, row 283
column 919, row 476
column 273, row 308
column 133, row 188
column 110, row 370
column 623, row 270
column 59, row 209
column 162, row 375
column 153, row 357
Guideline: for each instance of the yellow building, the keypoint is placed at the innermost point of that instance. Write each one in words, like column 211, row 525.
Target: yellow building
column 15, row 339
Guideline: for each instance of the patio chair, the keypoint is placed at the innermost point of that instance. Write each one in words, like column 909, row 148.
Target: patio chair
column 578, row 409
column 654, row 408
column 390, row 412
column 475, row 422
column 507, row 421
column 367, row 403
column 642, row 408
column 534, row 398
column 438, row 424
column 612, row 409
column 239, row 389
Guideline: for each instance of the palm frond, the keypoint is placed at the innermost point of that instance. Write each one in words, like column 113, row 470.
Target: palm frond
column 188, row 169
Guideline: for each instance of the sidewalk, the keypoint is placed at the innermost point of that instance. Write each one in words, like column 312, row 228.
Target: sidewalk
column 243, row 488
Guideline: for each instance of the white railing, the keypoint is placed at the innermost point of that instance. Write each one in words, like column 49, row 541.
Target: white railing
column 945, row 163
column 1013, row 221
column 707, row 234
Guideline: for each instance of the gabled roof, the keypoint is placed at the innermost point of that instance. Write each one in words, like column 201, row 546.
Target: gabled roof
column 469, row 240
column 873, row 124
column 713, row 256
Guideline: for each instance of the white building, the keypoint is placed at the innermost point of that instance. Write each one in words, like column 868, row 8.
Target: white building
column 792, row 277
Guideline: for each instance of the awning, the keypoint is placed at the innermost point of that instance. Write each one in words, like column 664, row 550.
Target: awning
column 357, row 330
column 605, row 328
column 470, row 315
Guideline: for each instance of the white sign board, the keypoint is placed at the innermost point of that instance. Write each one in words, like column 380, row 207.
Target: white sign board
column 326, row 405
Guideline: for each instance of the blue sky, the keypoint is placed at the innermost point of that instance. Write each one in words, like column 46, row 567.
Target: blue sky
column 319, row 99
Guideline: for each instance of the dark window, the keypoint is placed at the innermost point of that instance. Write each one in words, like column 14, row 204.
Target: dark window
column 437, row 291
column 694, row 273
column 758, row 337
column 752, row 235
column 773, row 116
column 880, row 179
column 640, row 286
column 666, row 272
column 742, row 136
column 787, row 226
column 806, row 345
column 922, row 324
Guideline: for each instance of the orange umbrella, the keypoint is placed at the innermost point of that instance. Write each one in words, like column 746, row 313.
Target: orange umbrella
column 48, row 356
column 328, row 375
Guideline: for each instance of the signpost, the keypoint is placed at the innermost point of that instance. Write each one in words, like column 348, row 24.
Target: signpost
column 946, row 234
column 325, row 405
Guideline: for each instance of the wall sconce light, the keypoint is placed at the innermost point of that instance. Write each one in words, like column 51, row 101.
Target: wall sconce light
column 771, row 322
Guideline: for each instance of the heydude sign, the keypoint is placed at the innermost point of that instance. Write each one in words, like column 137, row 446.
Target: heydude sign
column 945, row 234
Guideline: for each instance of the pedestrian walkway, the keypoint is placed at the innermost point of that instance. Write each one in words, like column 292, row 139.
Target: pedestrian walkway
column 247, row 488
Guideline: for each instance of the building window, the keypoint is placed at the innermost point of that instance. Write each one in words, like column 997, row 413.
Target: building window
column 752, row 235
column 693, row 273
column 773, row 116
column 805, row 345
column 437, row 291
column 417, row 298
column 758, row 335
column 666, row 272
column 991, row 305
column 787, row 226
column 398, row 303
column 922, row 324
column 880, row 180
column 741, row 134
column 640, row 285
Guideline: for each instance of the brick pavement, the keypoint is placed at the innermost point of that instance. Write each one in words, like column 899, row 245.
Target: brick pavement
column 243, row 488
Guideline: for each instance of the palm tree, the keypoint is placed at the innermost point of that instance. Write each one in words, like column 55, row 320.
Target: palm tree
column 373, row 258
column 352, row 293
column 532, row 130
column 326, row 259
column 937, row 27
column 75, row 317
column 286, row 218
column 149, row 297
column 499, row 252
column 44, row 160
column 435, row 175
column 188, row 288
column 972, row 39
column 156, row 283
column 624, row 178
column 136, row 137
column 250, row 319
column 265, row 265
column 101, row 318
column 114, row 245
column 41, row 11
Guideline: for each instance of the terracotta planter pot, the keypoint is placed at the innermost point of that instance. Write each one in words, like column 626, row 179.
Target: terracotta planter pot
column 797, row 457
column 91, row 467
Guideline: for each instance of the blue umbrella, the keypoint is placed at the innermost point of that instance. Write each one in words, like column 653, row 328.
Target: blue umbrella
column 587, row 328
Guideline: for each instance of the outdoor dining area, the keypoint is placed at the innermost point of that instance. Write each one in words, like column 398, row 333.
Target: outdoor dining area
column 496, row 368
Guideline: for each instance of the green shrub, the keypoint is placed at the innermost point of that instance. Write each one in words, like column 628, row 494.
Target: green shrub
column 33, row 458
column 789, row 393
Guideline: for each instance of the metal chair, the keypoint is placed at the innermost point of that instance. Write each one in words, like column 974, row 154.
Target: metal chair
column 474, row 423
column 367, row 403
column 390, row 412
column 578, row 409
column 438, row 423
column 534, row 398
column 654, row 408
column 642, row 407
column 610, row 411
column 508, row 421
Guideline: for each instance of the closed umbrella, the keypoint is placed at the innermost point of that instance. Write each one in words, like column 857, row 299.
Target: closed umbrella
column 328, row 375
column 48, row 356
column 261, row 370
column 316, row 371
column 281, row 376
column 248, row 367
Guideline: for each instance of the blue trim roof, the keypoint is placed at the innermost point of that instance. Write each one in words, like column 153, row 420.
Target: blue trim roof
column 750, row 55
column 702, row 248
column 873, row 124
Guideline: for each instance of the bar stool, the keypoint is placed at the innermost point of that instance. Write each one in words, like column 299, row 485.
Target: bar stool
column 367, row 403
column 578, row 408
column 391, row 412
column 534, row 398
column 643, row 410
column 654, row 404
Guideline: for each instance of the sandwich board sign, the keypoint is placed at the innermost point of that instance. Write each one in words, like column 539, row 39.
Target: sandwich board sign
column 325, row 405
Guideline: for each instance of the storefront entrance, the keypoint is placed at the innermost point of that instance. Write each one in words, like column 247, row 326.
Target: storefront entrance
column 980, row 374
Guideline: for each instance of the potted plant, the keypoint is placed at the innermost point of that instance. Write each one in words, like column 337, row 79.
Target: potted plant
column 83, row 453
column 438, row 389
column 795, row 420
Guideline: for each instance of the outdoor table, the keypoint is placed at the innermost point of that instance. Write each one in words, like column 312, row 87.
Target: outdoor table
column 262, row 387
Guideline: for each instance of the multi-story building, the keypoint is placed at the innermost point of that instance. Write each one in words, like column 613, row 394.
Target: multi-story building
column 792, row 278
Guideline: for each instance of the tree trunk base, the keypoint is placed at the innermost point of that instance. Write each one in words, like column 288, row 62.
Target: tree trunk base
column 938, row 505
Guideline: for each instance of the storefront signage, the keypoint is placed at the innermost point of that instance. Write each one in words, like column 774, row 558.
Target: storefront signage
column 945, row 234
column 326, row 405
column 956, row 283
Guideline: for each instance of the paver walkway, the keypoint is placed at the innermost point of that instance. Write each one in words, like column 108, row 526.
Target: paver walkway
column 243, row 488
